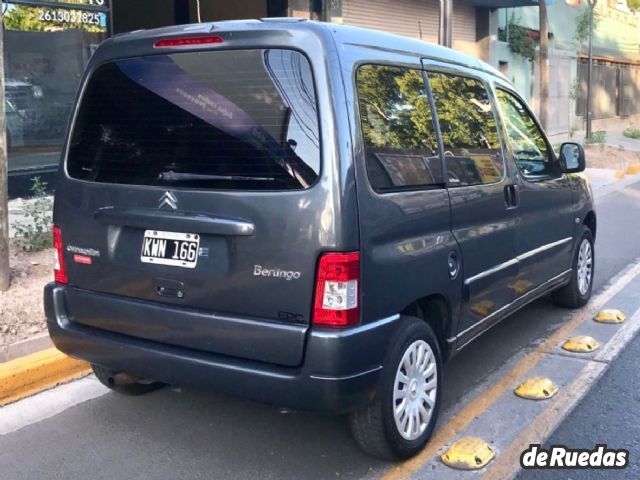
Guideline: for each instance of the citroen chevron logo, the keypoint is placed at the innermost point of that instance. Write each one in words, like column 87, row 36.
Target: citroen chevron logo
column 169, row 200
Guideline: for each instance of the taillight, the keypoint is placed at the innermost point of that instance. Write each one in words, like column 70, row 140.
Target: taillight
column 59, row 269
column 337, row 302
column 187, row 41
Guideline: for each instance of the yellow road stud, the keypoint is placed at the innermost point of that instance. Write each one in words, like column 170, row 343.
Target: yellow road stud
column 581, row 344
column 610, row 316
column 536, row 388
column 468, row 453
column 633, row 169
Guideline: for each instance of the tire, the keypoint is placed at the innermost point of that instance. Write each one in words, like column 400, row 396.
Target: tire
column 574, row 294
column 124, row 384
column 374, row 428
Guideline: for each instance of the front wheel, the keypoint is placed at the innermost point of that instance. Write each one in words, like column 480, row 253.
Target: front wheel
column 398, row 423
column 578, row 291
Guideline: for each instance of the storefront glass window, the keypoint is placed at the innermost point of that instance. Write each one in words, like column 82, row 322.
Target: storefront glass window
column 46, row 49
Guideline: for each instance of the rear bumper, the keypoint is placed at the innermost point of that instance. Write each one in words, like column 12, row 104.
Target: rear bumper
column 339, row 373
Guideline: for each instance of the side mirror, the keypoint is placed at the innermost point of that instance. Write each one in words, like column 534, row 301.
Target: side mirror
column 572, row 159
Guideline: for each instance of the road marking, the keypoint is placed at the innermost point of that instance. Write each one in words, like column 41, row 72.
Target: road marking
column 49, row 403
column 492, row 393
column 468, row 453
column 536, row 388
column 30, row 374
column 581, row 344
column 508, row 463
column 610, row 316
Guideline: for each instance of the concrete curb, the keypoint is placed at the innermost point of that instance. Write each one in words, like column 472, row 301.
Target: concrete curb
column 33, row 373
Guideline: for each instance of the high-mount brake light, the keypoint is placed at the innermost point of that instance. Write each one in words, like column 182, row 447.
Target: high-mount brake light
column 337, row 302
column 187, row 41
column 59, row 269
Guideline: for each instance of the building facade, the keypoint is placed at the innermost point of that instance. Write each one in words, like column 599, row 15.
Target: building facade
column 46, row 47
column 48, row 43
column 616, row 69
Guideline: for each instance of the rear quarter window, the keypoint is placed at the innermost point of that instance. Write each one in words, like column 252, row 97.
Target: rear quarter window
column 245, row 119
column 397, row 128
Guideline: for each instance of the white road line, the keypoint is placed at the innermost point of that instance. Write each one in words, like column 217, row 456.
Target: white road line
column 507, row 465
column 49, row 403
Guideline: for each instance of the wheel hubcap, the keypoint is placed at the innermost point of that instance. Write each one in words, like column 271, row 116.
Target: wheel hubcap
column 585, row 266
column 414, row 392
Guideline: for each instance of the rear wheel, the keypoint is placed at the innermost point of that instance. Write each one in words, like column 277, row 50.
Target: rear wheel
column 578, row 291
column 123, row 383
column 401, row 418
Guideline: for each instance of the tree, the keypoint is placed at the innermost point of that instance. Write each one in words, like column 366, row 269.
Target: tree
column 583, row 25
column 544, row 63
column 592, row 8
column 634, row 5
column 4, row 181
column 396, row 112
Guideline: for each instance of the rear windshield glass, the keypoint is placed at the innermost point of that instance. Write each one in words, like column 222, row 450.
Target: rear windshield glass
column 242, row 119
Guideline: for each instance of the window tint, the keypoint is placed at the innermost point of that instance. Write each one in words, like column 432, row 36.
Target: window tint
column 397, row 126
column 225, row 120
column 469, row 132
column 525, row 139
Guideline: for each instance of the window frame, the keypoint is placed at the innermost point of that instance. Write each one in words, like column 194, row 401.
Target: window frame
column 407, row 188
column 449, row 70
column 553, row 159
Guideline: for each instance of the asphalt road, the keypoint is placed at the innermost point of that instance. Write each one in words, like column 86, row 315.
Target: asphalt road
column 183, row 435
column 608, row 415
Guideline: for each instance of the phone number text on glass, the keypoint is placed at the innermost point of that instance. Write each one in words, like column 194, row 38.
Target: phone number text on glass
column 61, row 15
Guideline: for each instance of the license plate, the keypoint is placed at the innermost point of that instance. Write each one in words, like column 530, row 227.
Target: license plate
column 170, row 248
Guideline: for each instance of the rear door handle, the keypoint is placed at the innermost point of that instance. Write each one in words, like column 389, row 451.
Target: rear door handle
column 154, row 219
column 511, row 196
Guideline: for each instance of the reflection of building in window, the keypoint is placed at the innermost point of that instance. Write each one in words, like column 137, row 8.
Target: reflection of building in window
column 46, row 50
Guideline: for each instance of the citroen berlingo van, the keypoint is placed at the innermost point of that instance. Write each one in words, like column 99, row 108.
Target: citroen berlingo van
column 308, row 215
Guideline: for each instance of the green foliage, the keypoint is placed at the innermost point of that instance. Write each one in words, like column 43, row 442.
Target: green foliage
column 634, row 5
column 464, row 112
column 582, row 24
column 519, row 39
column 396, row 114
column 34, row 232
column 574, row 90
column 596, row 137
column 394, row 108
column 631, row 132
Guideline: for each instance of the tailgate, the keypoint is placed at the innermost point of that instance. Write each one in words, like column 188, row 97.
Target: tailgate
column 192, row 185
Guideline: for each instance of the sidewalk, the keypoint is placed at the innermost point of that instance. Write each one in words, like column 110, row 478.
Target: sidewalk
column 615, row 138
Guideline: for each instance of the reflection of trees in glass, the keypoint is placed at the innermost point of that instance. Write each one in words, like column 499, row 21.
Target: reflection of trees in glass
column 27, row 19
column 394, row 108
column 524, row 135
column 464, row 112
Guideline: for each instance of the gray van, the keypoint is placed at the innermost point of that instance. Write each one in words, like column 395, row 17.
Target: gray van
column 308, row 215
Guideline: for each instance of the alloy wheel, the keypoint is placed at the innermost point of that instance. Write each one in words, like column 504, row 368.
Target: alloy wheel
column 415, row 388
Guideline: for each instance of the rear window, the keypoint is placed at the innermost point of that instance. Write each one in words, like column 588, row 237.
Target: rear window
column 243, row 119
